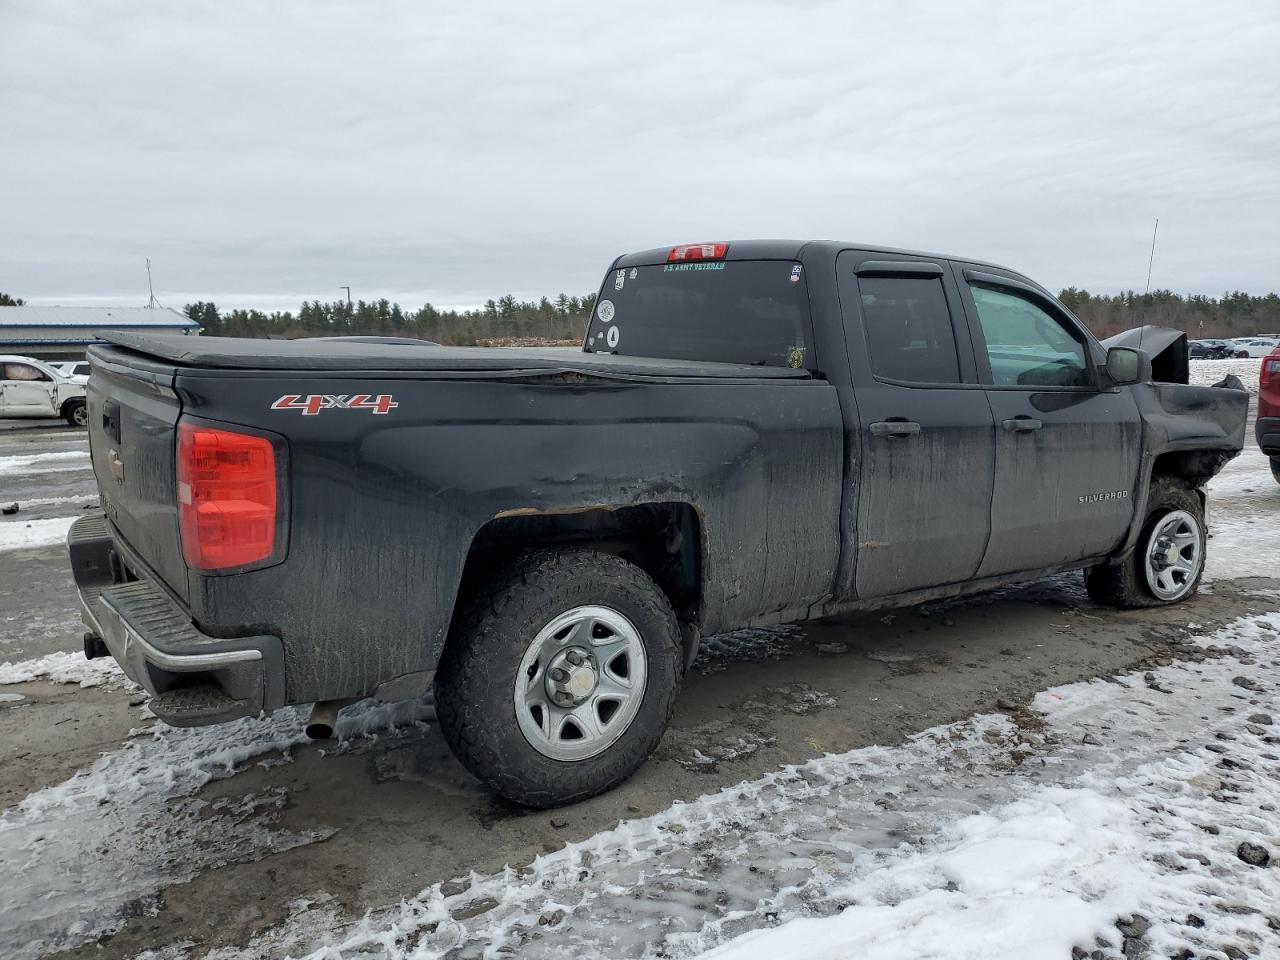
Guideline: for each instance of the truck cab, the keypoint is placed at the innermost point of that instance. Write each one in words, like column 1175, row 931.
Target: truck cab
column 33, row 388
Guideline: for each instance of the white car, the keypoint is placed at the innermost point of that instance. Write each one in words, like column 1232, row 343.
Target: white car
column 1255, row 346
column 75, row 369
column 33, row 388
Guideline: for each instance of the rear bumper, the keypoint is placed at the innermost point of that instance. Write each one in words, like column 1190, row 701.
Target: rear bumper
column 1267, row 430
column 194, row 679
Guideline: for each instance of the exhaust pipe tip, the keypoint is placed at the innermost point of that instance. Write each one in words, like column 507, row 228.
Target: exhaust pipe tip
column 324, row 718
column 319, row 731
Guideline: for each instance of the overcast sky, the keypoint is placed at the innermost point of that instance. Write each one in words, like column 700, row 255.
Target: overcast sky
column 261, row 153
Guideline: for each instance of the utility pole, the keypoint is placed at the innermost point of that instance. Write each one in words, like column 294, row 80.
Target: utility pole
column 151, row 303
column 1152, row 258
column 348, row 289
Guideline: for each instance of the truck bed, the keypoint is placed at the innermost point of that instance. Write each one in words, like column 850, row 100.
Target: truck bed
column 237, row 353
column 481, row 446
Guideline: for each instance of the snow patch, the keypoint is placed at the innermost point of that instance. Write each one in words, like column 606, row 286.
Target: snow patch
column 1020, row 882
column 44, row 462
column 1205, row 373
column 66, row 668
column 87, row 499
column 1244, row 505
column 23, row 535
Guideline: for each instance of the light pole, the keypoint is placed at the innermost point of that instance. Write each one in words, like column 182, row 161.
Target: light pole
column 348, row 289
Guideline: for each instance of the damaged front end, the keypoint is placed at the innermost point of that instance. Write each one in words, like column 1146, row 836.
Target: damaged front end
column 1191, row 431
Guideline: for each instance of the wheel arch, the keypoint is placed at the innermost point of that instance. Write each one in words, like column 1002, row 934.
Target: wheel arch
column 1194, row 466
column 69, row 402
column 666, row 539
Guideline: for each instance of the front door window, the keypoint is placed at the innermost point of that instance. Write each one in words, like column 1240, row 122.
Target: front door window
column 1026, row 345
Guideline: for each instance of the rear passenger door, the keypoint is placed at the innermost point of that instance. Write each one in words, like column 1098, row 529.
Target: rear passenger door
column 924, row 431
column 1067, row 446
column 25, row 390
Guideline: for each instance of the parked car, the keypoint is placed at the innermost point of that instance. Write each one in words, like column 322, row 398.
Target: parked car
column 1210, row 350
column 1267, row 426
column 33, row 388
column 1254, row 346
column 752, row 433
column 74, row 368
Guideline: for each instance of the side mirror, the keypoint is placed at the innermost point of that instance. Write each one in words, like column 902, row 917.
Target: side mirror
column 1125, row 365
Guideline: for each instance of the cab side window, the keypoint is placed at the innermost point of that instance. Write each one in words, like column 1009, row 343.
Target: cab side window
column 1027, row 346
column 909, row 330
column 23, row 371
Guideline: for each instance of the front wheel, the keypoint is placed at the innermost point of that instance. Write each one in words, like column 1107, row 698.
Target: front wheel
column 76, row 413
column 559, row 680
column 1168, row 559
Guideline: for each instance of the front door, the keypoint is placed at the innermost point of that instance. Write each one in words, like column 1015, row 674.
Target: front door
column 25, row 390
column 925, row 435
column 1068, row 450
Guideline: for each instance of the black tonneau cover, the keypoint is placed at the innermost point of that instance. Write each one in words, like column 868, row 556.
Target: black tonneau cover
column 248, row 354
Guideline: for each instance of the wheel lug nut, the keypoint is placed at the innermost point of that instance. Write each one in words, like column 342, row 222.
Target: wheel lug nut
column 574, row 657
column 559, row 675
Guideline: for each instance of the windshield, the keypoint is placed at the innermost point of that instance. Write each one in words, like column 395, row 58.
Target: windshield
column 736, row 311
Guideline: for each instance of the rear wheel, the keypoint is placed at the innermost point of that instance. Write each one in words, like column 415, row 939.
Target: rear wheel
column 76, row 413
column 1275, row 468
column 559, row 680
column 1168, row 559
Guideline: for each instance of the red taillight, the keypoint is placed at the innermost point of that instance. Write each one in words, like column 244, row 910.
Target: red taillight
column 698, row 251
column 226, row 497
column 1269, row 386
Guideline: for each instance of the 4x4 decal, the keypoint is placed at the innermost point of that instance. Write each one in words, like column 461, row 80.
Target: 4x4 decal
column 312, row 404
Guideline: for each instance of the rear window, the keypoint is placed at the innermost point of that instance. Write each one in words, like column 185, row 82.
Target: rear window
column 732, row 311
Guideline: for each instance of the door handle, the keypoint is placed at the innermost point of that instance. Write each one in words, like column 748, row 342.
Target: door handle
column 895, row 428
column 1022, row 424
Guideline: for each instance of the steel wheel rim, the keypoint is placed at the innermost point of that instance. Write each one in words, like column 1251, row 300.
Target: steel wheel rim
column 582, row 710
column 80, row 415
column 1173, row 555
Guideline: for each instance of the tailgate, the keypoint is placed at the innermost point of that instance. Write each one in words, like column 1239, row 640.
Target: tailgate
column 133, row 412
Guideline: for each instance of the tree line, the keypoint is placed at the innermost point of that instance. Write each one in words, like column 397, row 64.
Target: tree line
column 1234, row 314
column 504, row 319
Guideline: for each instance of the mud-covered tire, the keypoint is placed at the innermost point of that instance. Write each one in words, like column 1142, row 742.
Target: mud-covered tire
column 1275, row 468
column 1125, row 584
column 76, row 413
column 476, row 678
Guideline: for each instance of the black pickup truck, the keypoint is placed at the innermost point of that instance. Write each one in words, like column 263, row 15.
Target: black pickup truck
column 752, row 432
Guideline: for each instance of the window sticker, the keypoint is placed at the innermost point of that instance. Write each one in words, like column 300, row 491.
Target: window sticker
column 619, row 279
column 682, row 267
column 795, row 273
column 611, row 338
column 633, row 273
column 605, row 311
column 795, row 356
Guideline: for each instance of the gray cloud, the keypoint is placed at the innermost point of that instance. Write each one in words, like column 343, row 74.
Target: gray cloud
column 260, row 153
